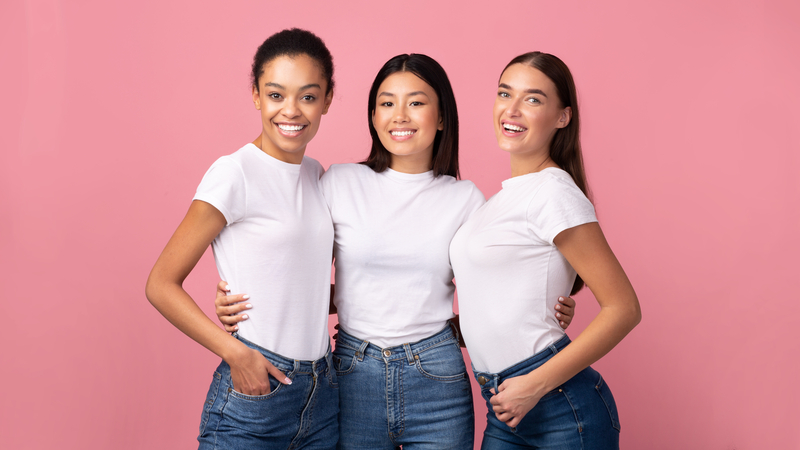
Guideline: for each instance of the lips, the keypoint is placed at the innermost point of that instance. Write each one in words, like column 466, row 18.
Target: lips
column 402, row 134
column 290, row 129
column 513, row 128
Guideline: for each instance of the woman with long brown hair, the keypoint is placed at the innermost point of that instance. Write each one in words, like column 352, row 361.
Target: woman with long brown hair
column 536, row 239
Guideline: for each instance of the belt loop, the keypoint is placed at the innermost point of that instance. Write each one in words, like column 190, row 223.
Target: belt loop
column 409, row 355
column 328, row 358
column 455, row 332
column 296, row 366
column 361, row 350
column 553, row 348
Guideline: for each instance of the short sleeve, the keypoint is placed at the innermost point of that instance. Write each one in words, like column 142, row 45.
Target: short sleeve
column 326, row 183
column 558, row 205
column 225, row 188
column 476, row 199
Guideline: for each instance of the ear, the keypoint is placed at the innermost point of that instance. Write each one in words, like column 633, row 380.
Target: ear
column 256, row 98
column 328, row 100
column 440, row 127
column 566, row 117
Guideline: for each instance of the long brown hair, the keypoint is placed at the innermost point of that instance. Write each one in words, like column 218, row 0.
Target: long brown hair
column 565, row 150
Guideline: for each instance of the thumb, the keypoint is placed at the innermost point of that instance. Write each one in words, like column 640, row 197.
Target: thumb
column 222, row 289
column 278, row 375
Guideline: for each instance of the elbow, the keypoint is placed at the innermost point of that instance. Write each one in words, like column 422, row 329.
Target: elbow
column 151, row 289
column 635, row 314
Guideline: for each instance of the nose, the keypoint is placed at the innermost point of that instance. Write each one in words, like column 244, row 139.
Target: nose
column 290, row 108
column 512, row 110
column 400, row 114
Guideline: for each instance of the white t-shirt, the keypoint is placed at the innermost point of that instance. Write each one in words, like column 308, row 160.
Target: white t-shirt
column 508, row 271
column 276, row 246
column 394, row 284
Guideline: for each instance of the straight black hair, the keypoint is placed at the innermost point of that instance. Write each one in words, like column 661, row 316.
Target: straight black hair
column 445, row 144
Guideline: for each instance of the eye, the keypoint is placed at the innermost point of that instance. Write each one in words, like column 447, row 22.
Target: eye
column 533, row 100
column 416, row 103
column 274, row 96
column 389, row 104
column 503, row 94
column 309, row 98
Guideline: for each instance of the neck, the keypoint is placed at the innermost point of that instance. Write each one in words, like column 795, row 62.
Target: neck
column 265, row 146
column 525, row 164
column 411, row 163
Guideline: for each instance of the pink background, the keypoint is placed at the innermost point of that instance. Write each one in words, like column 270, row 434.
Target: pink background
column 112, row 111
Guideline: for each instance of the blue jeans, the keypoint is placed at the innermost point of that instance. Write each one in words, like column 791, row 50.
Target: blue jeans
column 303, row 415
column 415, row 395
column 580, row 414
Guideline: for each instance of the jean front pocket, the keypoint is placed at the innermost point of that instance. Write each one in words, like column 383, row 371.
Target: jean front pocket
column 344, row 361
column 213, row 391
column 608, row 399
column 442, row 363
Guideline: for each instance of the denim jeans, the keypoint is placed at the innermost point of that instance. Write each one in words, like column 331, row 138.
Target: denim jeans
column 415, row 395
column 302, row 415
column 580, row 414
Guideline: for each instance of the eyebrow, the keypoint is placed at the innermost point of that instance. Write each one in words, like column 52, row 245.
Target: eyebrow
column 411, row 94
column 302, row 88
column 527, row 91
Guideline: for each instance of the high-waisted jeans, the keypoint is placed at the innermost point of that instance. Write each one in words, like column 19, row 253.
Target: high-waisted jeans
column 302, row 415
column 416, row 395
column 580, row 414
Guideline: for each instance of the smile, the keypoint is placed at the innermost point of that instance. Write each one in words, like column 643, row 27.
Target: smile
column 402, row 133
column 291, row 127
column 513, row 128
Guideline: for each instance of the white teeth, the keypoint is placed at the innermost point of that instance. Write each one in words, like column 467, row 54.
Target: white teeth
column 291, row 127
column 510, row 127
column 401, row 133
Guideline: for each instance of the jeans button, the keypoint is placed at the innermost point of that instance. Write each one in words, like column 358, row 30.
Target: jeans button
column 482, row 380
column 387, row 353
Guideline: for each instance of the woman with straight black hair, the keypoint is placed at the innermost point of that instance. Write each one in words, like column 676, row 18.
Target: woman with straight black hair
column 537, row 237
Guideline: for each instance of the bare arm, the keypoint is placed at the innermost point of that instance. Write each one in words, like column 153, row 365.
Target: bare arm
column 586, row 249
column 165, row 291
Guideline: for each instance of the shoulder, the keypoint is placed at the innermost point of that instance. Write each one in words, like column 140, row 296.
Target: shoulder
column 558, row 184
column 313, row 166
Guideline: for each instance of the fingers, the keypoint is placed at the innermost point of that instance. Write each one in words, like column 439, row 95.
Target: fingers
column 222, row 288
column 277, row 374
column 565, row 310
column 227, row 300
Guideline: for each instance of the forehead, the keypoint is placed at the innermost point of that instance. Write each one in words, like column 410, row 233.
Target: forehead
column 405, row 82
column 293, row 70
column 523, row 77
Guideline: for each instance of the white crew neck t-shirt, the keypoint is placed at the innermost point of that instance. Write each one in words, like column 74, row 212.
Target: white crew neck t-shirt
column 276, row 247
column 508, row 271
column 394, row 283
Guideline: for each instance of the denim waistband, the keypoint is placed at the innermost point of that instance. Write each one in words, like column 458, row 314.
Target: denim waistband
column 523, row 367
column 405, row 351
column 285, row 363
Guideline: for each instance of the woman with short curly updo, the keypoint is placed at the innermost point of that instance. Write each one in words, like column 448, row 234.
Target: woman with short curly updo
column 262, row 211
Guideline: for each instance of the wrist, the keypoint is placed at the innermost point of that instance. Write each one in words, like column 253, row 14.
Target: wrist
column 537, row 383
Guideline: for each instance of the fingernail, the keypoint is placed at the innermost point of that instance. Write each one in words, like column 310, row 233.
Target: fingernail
column 246, row 296
column 558, row 315
column 287, row 380
column 244, row 316
column 248, row 306
column 558, row 306
column 227, row 288
column 236, row 327
column 561, row 298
